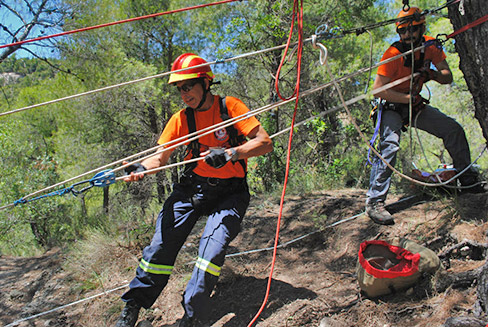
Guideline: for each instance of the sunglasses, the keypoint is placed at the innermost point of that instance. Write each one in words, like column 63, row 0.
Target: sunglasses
column 411, row 29
column 187, row 87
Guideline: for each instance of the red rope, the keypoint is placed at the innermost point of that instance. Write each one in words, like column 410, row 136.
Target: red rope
column 299, row 16
column 467, row 27
column 114, row 23
column 298, row 13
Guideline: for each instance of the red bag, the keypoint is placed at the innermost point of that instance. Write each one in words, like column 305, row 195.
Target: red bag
column 384, row 268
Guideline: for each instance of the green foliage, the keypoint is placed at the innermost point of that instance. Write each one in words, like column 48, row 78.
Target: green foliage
column 53, row 143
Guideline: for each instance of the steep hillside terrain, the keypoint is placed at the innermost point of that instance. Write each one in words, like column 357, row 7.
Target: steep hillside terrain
column 314, row 282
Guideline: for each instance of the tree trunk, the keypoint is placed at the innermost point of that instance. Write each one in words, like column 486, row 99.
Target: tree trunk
column 472, row 47
column 106, row 198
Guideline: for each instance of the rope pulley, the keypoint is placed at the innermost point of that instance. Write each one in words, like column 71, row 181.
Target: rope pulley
column 101, row 179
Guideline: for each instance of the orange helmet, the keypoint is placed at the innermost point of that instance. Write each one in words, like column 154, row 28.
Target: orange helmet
column 413, row 16
column 187, row 60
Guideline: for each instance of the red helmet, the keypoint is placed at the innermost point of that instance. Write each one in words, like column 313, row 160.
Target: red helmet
column 189, row 60
column 413, row 16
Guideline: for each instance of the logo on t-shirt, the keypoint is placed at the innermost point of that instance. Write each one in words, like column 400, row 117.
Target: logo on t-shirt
column 221, row 134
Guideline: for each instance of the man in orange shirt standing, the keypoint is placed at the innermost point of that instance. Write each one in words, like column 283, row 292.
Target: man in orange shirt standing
column 395, row 111
column 215, row 187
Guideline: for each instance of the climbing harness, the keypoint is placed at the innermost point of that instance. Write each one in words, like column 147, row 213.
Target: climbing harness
column 235, row 139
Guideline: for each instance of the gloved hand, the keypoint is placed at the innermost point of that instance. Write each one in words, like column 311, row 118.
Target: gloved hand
column 217, row 158
column 426, row 74
column 135, row 167
column 418, row 102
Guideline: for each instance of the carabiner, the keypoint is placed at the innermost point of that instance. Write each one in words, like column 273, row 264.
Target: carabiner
column 323, row 49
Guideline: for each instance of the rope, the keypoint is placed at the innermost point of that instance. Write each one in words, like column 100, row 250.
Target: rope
column 15, row 323
column 344, row 104
column 298, row 13
column 338, row 32
column 113, row 23
column 318, row 35
column 74, row 96
column 468, row 26
column 321, row 33
column 215, row 127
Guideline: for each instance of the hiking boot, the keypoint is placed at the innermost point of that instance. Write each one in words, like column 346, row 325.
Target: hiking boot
column 473, row 184
column 377, row 212
column 129, row 315
column 191, row 322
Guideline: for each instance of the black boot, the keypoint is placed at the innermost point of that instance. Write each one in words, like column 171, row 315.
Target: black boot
column 186, row 321
column 473, row 184
column 129, row 315
column 191, row 322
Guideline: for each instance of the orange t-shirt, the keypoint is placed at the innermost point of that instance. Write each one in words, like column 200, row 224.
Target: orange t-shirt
column 177, row 127
column 396, row 69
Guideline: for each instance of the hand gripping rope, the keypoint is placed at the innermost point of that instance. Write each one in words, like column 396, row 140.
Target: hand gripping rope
column 175, row 143
column 101, row 179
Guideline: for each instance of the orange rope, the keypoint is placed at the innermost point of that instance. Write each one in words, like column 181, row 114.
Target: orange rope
column 298, row 13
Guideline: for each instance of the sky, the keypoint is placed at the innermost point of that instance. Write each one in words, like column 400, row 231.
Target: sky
column 13, row 23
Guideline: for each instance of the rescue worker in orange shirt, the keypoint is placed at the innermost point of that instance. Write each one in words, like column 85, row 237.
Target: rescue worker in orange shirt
column 395, row 110
column 215, row 187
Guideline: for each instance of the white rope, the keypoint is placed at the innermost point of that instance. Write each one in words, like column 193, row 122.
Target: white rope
column 344, row 104
column 74, row 96
column 226, row 123
column 110, row 87
column 456, row 175
column 15, row 323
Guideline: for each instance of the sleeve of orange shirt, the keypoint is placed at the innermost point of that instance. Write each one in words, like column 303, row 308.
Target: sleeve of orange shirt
column 236, row 108
column 388, row 69
column 174, row 129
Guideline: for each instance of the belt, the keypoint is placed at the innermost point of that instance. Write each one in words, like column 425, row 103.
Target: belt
column 216, row 182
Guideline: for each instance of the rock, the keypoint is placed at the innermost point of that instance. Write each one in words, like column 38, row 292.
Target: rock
column 464, row 322
column 331, row 322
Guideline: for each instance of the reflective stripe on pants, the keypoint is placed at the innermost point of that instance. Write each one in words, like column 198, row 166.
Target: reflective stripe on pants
column 175, row 222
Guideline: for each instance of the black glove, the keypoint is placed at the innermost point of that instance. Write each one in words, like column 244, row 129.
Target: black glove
column 418, row 102
column 135, row 167
column 427, row 74
column 217, row 158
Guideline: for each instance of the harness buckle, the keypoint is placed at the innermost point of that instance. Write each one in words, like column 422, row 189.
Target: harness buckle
column 212, row 181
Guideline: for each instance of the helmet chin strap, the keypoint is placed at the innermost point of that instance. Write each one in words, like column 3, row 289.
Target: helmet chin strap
column 205, row 92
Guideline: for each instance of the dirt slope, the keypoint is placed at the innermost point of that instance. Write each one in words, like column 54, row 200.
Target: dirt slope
column 314, row 276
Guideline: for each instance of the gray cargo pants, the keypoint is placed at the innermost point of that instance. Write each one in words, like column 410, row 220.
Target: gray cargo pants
column 432, row 121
